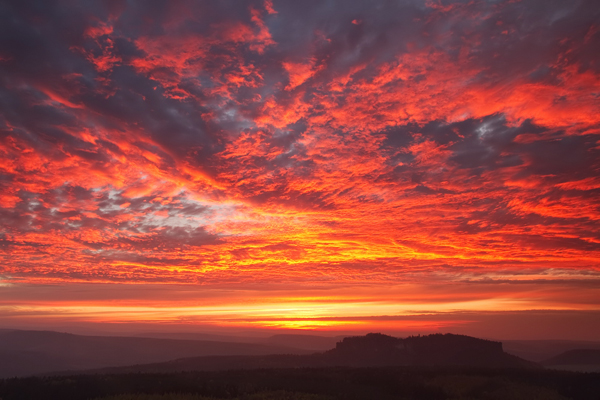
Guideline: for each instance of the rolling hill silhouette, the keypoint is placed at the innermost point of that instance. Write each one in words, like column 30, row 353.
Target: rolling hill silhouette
column 585, row 360
column 542, row 350
column 372, row 350
column 25, row 353
column 298, row 341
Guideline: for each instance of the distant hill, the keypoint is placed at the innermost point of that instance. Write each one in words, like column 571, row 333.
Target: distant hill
column 307, row 342
column 372, row 350
column 540, row 350
column 25, row 353
column 586, row 360
column 298, row 341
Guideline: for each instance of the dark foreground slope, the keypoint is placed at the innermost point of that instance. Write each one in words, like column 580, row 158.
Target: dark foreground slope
column 25, row 353
column 383, row 383
column 372, row 350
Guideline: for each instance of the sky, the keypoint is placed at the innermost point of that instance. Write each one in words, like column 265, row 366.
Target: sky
column 301, row 166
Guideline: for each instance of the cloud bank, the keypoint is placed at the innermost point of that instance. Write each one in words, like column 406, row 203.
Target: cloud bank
column 308, row 144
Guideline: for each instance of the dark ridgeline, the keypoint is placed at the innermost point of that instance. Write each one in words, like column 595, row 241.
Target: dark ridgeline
column 375, row 366
column 574, row 357
column 584, row 360
column 372, row 350
column 376, row 349
column 542, row 350
column 24, row 353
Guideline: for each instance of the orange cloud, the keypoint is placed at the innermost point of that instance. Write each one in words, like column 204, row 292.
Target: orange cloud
column 342, row 153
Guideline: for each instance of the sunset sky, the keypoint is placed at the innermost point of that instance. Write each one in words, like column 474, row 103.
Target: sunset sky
column 325, row 166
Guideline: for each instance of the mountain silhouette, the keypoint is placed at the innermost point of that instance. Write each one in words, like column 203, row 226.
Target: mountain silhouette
column 585, row 360
column 376, row 349
column 25, row 353
column 372, row 350
column 542, row 350
column 577, row 356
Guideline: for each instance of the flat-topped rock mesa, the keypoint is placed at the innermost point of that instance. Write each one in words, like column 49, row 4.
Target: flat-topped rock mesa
column 436, row 349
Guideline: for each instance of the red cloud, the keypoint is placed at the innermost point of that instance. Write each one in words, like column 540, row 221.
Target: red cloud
column 235, row 147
